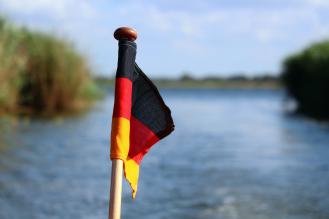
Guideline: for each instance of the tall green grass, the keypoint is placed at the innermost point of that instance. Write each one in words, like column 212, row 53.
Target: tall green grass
column 40, row 73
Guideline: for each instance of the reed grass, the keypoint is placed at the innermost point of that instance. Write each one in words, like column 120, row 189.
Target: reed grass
column 40, row 73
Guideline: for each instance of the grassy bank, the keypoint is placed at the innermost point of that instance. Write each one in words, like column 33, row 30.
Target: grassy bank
column 239, row 82
column 41, row 74
column 306, row 77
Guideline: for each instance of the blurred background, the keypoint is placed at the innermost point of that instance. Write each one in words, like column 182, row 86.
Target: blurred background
column 247, row 83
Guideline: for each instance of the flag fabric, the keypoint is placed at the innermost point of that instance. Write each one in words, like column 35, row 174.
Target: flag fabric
column 140, row 116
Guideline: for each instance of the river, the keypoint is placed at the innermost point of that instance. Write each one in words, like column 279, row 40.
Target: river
column 234, row 154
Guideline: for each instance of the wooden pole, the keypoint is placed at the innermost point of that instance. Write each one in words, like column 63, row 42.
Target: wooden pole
column 122, row 33
column 116, row 190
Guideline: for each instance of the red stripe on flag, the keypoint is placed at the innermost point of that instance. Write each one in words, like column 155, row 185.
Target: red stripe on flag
column 141, row 140
column 123, row 95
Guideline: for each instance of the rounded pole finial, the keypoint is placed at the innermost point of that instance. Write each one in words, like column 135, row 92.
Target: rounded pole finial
column 125, row 33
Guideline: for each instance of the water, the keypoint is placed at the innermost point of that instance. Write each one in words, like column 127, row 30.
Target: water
column 234, row 154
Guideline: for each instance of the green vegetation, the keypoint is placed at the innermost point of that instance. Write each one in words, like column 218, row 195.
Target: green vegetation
column 187, row 81
column 41, row 74
column 236, row 81
column 306, row 77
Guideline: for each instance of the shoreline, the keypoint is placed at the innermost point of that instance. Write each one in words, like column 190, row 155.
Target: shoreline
column 203, row 84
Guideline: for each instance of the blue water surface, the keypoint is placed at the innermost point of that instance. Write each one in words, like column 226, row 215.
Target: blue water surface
column 233, row 154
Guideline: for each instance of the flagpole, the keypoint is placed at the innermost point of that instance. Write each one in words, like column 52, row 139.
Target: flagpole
column 122, row 33
column 116, row 189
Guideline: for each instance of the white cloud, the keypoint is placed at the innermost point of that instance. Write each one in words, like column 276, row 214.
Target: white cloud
column 318, row 3
column 191, row 47
column 186, row 31
column 58, row 9
column 264, row 25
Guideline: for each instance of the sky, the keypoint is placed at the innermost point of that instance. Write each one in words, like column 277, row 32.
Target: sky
column 199, row 37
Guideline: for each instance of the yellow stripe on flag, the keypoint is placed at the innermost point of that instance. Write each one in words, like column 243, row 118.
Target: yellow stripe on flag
column 131, row 169
column 120, row 148
column 120, row 135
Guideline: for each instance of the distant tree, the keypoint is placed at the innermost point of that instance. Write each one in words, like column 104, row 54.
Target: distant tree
column 306, row 78
column 186, row 76
column 213, row 78
column 265, row 77
column 238, row 77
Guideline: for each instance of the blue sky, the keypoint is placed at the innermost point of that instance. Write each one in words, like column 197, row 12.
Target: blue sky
column 203, row 37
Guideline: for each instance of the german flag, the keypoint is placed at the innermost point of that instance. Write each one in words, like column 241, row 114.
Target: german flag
column 140, row 116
